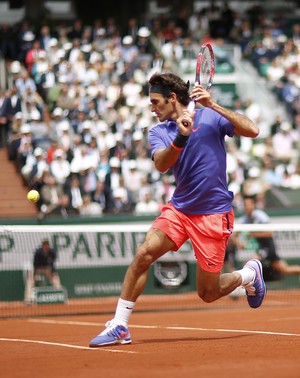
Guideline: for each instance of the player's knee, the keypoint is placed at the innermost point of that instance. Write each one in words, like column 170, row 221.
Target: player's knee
column 207, row 295
column 143, row 259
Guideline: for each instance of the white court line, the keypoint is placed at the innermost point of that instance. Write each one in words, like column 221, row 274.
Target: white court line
column 65, row 345
column 283, row 319
column 173, row 328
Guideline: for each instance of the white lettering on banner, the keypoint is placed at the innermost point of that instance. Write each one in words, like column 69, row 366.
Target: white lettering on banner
column 100, row 249
column 74, row 250
column 97, row 288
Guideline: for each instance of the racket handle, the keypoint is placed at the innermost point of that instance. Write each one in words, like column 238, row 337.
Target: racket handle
column 191, row 107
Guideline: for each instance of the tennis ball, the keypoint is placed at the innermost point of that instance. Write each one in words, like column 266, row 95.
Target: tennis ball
column 33, row 196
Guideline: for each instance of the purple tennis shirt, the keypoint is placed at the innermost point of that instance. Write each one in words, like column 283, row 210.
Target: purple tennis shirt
column 200, row 171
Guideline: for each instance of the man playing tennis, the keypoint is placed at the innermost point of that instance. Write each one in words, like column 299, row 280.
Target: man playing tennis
column 193, row 147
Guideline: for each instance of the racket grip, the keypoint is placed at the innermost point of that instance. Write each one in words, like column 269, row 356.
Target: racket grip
column 191, row 107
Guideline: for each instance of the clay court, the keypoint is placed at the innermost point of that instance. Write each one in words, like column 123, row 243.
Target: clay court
column 231, row 340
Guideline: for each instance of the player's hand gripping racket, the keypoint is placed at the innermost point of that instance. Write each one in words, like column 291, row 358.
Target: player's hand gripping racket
column 205, row 70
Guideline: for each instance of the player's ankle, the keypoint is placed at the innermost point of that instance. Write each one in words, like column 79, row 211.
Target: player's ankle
column 247, row 274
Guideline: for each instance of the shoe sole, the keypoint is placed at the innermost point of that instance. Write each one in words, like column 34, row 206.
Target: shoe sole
column 114, row 342
column 263, row 282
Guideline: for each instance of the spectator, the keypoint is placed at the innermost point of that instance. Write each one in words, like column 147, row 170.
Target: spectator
column 164, row 189
column 121, row 200
column 11, row 105
column 60, row 167
column 133, row 180
column 129, row 50
column 64, row 208
column 32, row 54
column 266, row 250
column 103, row 196
column 90, row 207
column 254, row 184
column 35, row 166
column 25, row 146
column 113, row 177
column 51, row 192
column 143, row 42
column 284, row 144
column 43, row 264
column 74, row 191
column 147, row 206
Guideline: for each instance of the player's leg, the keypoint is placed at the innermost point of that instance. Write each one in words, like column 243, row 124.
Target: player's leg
column 209, row 235
column 156, row 244
column 213, row 285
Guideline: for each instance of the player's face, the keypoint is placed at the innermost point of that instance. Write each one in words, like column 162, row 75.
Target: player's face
column 162, row 107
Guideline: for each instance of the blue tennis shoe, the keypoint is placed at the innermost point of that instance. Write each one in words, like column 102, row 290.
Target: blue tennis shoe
column 113, row 334
column 256, row 290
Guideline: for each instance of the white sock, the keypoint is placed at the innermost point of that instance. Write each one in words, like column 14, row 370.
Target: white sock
column 247, row 275
column 123, row 312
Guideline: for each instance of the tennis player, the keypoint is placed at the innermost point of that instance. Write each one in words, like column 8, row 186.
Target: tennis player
column 193, row 147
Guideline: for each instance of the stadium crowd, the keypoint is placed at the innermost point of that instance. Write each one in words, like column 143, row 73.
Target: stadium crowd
column 76, row 113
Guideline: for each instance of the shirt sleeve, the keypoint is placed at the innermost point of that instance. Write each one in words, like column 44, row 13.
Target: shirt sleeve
column 157, row 140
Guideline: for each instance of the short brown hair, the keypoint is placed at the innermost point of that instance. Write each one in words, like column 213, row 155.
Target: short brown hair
column 173, row 83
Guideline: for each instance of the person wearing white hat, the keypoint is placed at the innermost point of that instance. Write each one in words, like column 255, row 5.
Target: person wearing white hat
column 143, row 41
column 34, row 166
column 60, row 167
column 133, row 180
column 129, row 49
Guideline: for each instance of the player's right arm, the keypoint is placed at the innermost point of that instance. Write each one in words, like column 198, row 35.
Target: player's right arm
column 165, row 158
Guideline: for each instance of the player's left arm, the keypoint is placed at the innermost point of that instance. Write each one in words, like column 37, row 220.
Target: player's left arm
column 243, row 125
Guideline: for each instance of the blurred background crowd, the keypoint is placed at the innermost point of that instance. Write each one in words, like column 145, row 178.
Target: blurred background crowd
column 75, row 114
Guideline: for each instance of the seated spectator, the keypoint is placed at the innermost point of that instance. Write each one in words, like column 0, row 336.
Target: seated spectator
column 13, row 141
column 147, row 206
column 25, row 146
column 121, row 200
column 43, row 264
column 254, row 185
column 34, row 167
column 63, row 208
column 60, row 167
column 284, row 143
column 291, row 177
column 51, row 192
column 74, row 190
column 90, row 207
column 133, row 180
column 164, row 189
column 266, row 251
column 103, row 196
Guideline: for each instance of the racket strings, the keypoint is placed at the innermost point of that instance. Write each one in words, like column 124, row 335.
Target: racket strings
column 206, row 69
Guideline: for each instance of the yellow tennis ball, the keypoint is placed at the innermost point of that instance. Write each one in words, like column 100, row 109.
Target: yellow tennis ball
column 33, row 196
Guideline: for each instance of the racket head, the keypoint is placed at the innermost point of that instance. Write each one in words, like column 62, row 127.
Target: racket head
column 205, row 67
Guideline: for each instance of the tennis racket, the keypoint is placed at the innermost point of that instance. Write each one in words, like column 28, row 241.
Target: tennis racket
column 205, row 70
column 205, row 67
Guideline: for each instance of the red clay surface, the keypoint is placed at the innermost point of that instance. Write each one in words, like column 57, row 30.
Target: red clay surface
column 233, row 341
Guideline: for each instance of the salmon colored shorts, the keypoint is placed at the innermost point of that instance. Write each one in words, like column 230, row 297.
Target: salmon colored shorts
column 208, row 233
